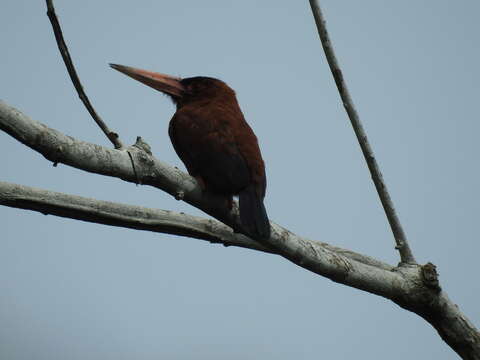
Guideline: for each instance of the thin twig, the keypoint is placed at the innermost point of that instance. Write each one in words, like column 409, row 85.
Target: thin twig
column 406, row 255
column 62, row 46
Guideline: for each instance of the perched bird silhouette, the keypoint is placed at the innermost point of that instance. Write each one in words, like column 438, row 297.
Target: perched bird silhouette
column 210, row 135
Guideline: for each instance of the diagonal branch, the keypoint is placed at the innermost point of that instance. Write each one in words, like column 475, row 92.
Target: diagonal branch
column 62, row 46
column 122, row 215
column 142, row 218
column 150, row 171
column 93, row 158
column 397, row 229
column 336, row 266
column 412, row 287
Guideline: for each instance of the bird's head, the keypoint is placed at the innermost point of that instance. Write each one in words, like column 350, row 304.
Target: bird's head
column 182, row 91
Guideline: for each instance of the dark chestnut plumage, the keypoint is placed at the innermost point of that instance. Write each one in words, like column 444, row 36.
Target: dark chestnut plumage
column 212, row 138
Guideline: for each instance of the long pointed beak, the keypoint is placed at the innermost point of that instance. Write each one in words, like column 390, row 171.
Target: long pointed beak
column 165, row 83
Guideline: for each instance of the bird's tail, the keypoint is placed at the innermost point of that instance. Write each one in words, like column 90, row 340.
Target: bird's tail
column 253, row 214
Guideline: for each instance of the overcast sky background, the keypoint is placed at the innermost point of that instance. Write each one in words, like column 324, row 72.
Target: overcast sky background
column 74, row 290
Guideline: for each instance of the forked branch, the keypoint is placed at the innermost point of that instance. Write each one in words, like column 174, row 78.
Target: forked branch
column 413, row 287
column 60, row 148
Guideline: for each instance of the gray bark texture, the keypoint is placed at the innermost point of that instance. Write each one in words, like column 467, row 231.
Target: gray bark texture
column 411, row 286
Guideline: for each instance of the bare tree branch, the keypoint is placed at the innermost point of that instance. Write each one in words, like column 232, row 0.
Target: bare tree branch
column 62, row 46
column 402, row 245
column 142, row 218
column 413, row 287
column 100, row 160
column 380, row 280
column 122, row 215
column 93, row 158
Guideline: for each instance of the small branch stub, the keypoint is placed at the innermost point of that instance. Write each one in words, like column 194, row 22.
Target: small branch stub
column 179, row 195
column 430, row 276
column 142, row 145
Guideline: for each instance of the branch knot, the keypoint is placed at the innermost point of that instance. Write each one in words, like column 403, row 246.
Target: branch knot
column 430, row 276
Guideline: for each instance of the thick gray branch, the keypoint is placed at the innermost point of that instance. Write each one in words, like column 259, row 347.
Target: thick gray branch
column 364, row 273
column 60, row 148
column 122, row 215
column 148, row 170
column 413, row 287
column 133, row 164
column 142, row 218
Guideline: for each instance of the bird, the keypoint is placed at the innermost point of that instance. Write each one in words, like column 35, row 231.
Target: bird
column 212, row 138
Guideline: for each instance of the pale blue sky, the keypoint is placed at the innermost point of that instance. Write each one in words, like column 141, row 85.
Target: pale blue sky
column 73, row 290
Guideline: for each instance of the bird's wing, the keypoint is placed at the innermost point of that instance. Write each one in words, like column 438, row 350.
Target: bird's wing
column 205, row 142
column 180, row 147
